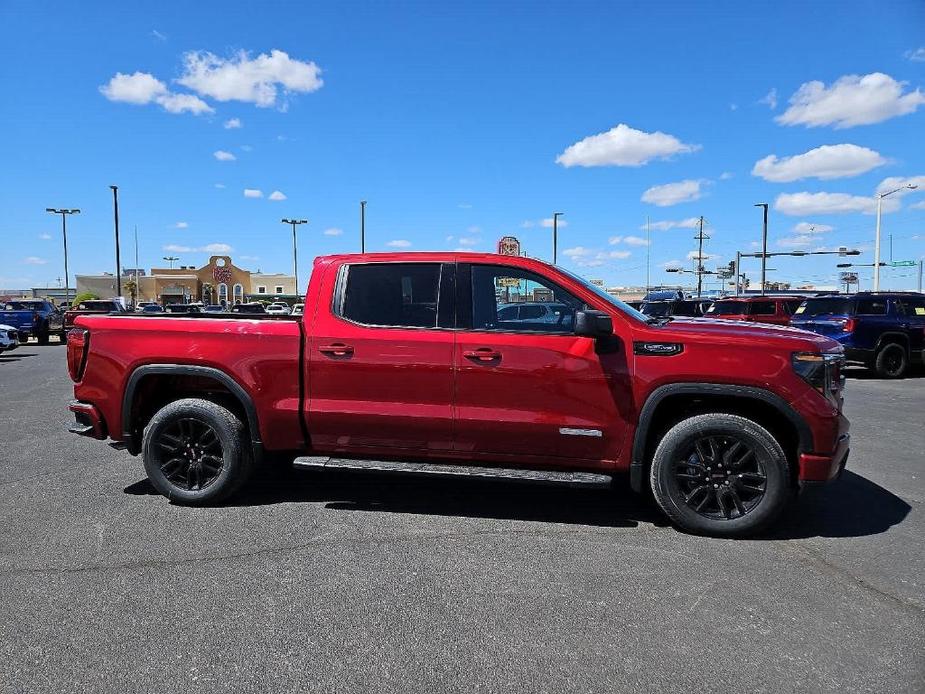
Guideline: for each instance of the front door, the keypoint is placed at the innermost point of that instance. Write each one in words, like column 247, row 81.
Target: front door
column 379, row 361
column 529, row 388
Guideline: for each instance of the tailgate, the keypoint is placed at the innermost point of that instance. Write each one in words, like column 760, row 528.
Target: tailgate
column 17, row 319
column 830, row 327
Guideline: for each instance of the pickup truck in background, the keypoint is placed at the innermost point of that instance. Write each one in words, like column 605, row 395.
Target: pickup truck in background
column 404, row 363
column 38, row 318
column 91, row 306
column 884, row 331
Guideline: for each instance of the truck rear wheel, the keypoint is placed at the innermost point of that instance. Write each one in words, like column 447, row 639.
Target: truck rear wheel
column 891, row 361
column 721, row 475
column 195, row 452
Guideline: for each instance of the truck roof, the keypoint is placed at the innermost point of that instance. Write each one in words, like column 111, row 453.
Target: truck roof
column 419, row 256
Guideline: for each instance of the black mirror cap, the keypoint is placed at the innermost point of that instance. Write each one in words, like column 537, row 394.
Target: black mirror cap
column 593, row 323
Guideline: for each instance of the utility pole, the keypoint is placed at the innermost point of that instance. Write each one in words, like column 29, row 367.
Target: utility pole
column 738, row 269
column 764, row 245
column 64, row 212
column 555, row 235
column 137, row 292
column 295, row 255
column 648, row 252
column 115, row 213
column 700, row 238
column 362, row 226
column 880, row 197
column 921, row 264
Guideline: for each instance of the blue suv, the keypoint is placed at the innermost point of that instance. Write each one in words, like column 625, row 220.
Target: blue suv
column 884, row 331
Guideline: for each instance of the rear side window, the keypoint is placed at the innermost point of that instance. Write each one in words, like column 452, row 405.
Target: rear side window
column 686, row 308
column 727, row 308
column 762, row 308
column 913, row 306
column 792, row 305
column 871, row 307
column 825, row 307
column 528, row 312
column 392, row 294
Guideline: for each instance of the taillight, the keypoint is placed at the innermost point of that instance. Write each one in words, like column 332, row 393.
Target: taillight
column 848, row 327
column 78, row 341
column 35, row 317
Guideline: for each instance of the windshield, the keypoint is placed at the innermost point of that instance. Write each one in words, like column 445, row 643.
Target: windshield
column 609, row 298
column 727, row 308
column 822, row 307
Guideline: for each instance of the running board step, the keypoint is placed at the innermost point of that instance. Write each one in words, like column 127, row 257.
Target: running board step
column 573, row 479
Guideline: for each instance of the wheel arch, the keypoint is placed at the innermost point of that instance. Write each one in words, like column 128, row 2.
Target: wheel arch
column 668, row 404
column 898, row 338
column 195, row 381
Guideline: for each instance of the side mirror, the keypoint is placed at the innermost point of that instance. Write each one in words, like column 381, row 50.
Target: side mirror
column 593, row 323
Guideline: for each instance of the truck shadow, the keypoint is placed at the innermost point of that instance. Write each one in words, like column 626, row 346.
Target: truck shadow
column 850, row 507
column 9, row 357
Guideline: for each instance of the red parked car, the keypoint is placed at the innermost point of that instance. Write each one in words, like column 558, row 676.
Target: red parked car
column 757, row 309
column 403, row 363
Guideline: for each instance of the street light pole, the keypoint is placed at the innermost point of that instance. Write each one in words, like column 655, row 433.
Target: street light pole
column 880, row 197
column 170, row 259
column 555, row 235
column 64, row 212
column 764, row 245
column 362, row 226
column 295, row 254
column 738, row 269
column 115, row 213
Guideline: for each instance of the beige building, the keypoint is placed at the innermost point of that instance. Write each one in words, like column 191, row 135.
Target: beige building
column 220, row 281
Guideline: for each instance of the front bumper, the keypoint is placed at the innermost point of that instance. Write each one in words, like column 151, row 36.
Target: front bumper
column 89, row 421
column 823, row 468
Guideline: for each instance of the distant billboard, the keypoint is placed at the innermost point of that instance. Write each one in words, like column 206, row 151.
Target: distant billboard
column 508, row 245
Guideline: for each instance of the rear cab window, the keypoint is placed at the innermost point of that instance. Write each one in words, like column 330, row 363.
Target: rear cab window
column 391, row 294
column 762, row 308
column 826, row 306
column 727, row 308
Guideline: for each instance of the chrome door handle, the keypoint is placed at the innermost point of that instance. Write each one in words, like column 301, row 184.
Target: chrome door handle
column 483, row 354
column 338, row 349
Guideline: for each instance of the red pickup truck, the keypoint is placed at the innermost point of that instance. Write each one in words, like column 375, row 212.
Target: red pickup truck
column 404, row 362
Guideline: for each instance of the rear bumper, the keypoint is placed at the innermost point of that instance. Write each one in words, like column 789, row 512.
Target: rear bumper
column 89, row 421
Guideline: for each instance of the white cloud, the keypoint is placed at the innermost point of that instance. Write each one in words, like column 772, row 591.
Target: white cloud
column 399, row 243
column 548, row 223
column 222, row 155
column 277, row 195
column 158, row 35
column 253, row 193
column 825, row 162
column 233, row 123
column 469, row 241
column 851, row 100
column 673, row 193
column 726, row 175
column 693, row 255
column 45, row 237
column 689, row 223
column 796, row 241
column 181, row 225
column 810, row 228
column 770, row 99
column 802, row 204
column 894, row 182
column 144, row 88
column 242, row 78
column 613, row 240
column 618, row 255
column 333, row 231
column 918, row 55
column 623, row 146
column 672, row 264
column 247, row 148
column 576, row 252
column 217, row 248
column 34, row 260
column 219, row 185
column 209, row 248
column 635, row 241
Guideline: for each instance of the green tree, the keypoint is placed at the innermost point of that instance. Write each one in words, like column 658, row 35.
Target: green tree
column 85, row 296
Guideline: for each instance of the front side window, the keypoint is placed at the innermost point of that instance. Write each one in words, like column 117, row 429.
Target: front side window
column 544, row 307
column 392, row 294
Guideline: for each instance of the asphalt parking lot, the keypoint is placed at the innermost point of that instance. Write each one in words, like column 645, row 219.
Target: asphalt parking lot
column 353, row 583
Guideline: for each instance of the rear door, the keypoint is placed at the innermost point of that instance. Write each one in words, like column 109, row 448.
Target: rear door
column 764, row 311
column 380, row 359
column 531, row 390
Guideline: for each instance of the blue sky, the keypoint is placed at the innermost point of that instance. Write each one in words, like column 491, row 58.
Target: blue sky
column 460, row 123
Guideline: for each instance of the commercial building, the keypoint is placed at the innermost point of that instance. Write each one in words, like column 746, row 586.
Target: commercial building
column 219, row 281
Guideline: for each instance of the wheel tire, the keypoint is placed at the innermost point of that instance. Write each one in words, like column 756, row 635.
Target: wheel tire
column 892, row 361
column 679, row 454
column 193, row 476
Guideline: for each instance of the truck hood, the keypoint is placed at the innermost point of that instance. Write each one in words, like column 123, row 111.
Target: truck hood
column 712, row 331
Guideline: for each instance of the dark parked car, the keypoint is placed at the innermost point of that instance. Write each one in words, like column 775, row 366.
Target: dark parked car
column 691, row 308
column 184, row 308
column 884, row 331
column 152, row 308
column 213, row 308
column 92, row 306
column 248, row 308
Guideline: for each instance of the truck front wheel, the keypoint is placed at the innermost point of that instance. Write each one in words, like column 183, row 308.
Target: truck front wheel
column 721, row 475
column 195, row 452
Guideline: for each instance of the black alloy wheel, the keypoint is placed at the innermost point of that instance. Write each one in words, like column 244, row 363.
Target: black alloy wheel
column 891, row 361
column 721, row 477
column 192, row 454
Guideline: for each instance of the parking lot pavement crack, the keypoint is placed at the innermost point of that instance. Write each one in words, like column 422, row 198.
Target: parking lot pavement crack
column 814, row 559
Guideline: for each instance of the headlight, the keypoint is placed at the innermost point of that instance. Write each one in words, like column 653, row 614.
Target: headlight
column 822, row 371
